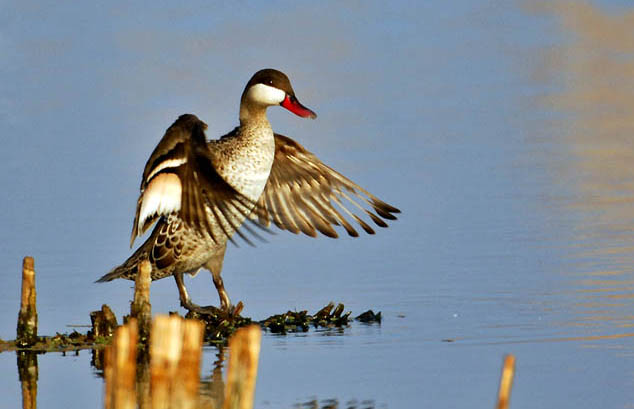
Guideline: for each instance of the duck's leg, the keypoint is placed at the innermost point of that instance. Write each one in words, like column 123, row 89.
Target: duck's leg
column 186, row 301
column 215, row 266
column 225, row 302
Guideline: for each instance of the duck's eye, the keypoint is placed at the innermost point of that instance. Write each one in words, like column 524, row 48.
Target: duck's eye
column 270, row 82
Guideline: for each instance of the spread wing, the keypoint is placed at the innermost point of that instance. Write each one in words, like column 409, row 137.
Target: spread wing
column 304, row 195
column 180, row 177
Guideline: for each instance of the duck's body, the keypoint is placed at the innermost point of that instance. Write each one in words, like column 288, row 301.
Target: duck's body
column 243, row 159
column 200, row 192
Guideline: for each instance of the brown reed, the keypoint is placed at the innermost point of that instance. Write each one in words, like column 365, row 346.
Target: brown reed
column 27, row 317
column 506, row 382
column 244, row 350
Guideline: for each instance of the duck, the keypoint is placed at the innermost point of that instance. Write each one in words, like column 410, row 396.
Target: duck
column 200, row 194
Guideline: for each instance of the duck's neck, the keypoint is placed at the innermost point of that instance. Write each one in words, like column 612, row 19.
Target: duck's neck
column 245, row 160
column 253, row 115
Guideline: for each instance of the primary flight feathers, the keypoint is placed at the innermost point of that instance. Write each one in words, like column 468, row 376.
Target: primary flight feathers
column 301, row 194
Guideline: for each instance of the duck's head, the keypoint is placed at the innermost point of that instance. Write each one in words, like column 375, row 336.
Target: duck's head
column 270, row 87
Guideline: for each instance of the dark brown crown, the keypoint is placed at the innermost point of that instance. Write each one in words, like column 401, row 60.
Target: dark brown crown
column 273, row 78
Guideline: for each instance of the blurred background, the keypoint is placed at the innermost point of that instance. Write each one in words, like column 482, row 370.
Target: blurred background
column 501, row 129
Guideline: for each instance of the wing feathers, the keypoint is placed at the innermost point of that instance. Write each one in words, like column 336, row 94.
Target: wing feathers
column 180, row 178
column 301, row 194
column 162, row 196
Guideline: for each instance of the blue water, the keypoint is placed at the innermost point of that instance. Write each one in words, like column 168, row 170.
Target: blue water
column 503, row 132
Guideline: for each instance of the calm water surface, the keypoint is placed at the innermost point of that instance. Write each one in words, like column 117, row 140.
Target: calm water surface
column 503, row 132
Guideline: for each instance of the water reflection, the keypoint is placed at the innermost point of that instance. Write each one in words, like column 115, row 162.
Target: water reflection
column 28, row 373
column 593, row 176
column 212, row 387
column 98, row 360
column 334, row 404
column 211, row 391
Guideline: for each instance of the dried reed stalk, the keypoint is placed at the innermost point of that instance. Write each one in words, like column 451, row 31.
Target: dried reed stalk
column 120, row 368
column 175, row 351
column 506, row 382
column 141, row 309
column 244, row 350
column 27, row 317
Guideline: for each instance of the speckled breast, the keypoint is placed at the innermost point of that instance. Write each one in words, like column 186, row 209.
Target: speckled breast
column 245, row 161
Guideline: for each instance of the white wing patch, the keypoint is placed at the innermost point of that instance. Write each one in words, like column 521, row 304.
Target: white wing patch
column 162, row 196
column 170, row 163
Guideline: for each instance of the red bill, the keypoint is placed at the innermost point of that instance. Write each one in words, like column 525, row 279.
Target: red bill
column 292, row 104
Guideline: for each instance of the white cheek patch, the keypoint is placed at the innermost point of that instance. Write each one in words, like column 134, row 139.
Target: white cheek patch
column 170, row 163
column 266, row 95
column 162, row 196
